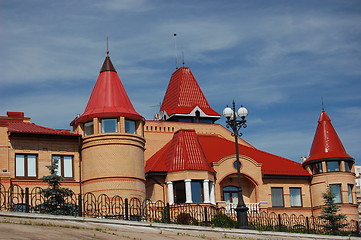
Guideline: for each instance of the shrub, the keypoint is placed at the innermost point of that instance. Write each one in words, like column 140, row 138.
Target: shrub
column 222, row 220
column 186, row 219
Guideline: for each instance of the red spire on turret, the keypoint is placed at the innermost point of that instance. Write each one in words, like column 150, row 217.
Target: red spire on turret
column 108, row 98
column 326, row 143
column 184, row 95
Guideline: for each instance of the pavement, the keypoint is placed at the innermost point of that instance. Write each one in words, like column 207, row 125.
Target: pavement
column 26, row 226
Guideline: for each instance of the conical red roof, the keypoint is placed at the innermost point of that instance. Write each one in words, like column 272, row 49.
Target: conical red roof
column 184, row 94
column 108, row 98
column 182, row 153
column 326, row 143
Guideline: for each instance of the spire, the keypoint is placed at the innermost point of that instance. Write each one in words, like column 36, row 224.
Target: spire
column 108, row 98
column 326, row 143
column 184, row 95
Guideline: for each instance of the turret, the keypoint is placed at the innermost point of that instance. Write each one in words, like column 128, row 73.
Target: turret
column 113, row 139
column 331, row 167
column 184, row 100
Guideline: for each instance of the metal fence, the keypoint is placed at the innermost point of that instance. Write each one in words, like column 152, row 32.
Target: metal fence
column 18, row 199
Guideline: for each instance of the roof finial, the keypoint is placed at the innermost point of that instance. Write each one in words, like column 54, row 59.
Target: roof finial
column 176, row 54
column 323, row 106
column 107, row 48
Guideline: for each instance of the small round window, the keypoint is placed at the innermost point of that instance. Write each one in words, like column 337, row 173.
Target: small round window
column 236, row 164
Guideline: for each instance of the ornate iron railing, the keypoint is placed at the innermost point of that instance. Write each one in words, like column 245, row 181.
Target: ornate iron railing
column 18, row 199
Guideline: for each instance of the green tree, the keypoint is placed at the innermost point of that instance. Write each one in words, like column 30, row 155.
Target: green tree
column 329, row 213
column 55, row 196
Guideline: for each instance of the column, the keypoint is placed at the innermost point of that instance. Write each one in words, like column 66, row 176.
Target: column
column 188, row 190
column 170, row 193
column 212, row 193
column 206, row 191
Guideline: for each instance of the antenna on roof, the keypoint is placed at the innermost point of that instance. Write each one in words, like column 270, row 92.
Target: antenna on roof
column 107, row 48
column 323, row 106
column 176, row 55
column 182, row 58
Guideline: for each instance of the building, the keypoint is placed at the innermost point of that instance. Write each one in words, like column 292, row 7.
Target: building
column 183, row 157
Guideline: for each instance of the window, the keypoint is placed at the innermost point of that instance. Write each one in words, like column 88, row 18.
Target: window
column 336, row 190
column 230, row 194
column 129, row 126
column 349, row 193
column 89, row 128
column 25, row 165
column 65, row 165
column 333, row 166
column 197, row 191
column 277, row 196
column 295, row 197
column 348, row 166
column 179, row 192
column 109, row 125
column 317, row 168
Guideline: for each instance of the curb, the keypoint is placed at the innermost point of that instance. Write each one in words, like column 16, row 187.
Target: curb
column 239, row 232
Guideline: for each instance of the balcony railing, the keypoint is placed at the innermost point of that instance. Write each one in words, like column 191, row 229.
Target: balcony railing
column 252, row 207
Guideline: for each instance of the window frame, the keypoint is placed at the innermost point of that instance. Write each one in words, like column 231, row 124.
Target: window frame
column 126, row 124
column 62, row 165
column 273, row 195
column 349, row 193
column 25, row 165
column 348, row 166
column 87, row 125
column 317, row 168
column 194, row 191
column 337, row 194
column 328, row 166
column 179, row 191
column 103, row 120
column 300, row 196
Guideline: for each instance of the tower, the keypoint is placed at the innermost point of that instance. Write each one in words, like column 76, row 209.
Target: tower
column 112, row 139
column 331, row 167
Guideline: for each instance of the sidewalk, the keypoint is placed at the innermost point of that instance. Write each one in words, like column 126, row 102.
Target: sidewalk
column 39, row 226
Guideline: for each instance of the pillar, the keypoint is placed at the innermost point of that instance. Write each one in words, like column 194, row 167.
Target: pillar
column 170, row 193
column 206, row 191
column 212, row 194
column 188, row 190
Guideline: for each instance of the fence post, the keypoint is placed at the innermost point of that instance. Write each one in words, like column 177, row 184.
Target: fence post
column 168, row 213
column 279, row 223
column 80, row 205
column 27, row 207
column 205, row 216
column 126, row 209
column 308, row 225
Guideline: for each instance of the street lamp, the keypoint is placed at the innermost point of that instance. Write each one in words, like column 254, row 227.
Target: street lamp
column 236, row 125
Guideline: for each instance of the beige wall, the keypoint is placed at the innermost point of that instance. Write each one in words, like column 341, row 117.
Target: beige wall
column 44, row 148
column 113, row 164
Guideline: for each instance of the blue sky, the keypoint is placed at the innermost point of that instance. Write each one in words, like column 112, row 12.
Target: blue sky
column 277, row 58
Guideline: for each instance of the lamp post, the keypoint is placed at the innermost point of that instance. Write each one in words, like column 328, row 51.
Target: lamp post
column 236, row 125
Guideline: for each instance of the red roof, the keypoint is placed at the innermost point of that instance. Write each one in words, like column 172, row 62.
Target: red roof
column 184, row 94
column 108, row 98
column 183, row 152
column 216, row 148
column 326, row 143
column 17, row 123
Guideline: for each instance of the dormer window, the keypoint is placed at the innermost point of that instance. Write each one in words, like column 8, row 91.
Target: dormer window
column 89, row 128
column 129, row 126
column 109, row 125
column 333, row 166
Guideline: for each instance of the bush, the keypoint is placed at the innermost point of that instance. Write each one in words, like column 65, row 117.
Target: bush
column 186, row 219
column 222, row 220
